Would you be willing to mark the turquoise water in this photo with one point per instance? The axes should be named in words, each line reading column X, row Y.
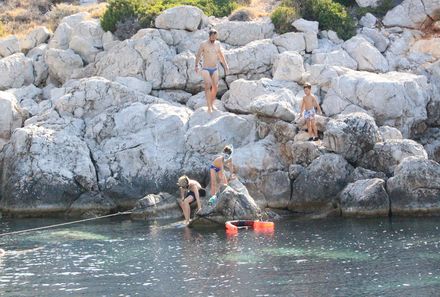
column 120, row 257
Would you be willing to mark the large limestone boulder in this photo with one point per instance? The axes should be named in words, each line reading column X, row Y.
column 394, row 99
column 12, row 116
column 377, row 38
column 278, row 105
column 89, row 97
column 41, row 69
column 366, row 55
column 288, row 66
column 243, row 93
column 181, row 17
column 415, row 187
column 36, row 37
column 62, row 63
column 254, row 58
column 61, row 37
column 389, row 133
column 16, row 71
column 431, row 142
column 210, row 136
column 45, row 170
column 91, row 205
column 28, row 98
column 366, row 197
column 292, row 41
column 135, row 84
column 427, row 46
column 9, row 46
column 157, row 206
column 412, row 14
column 317, row 186
column 241, row 33
column 385, row 156
column 303, row 152
column 367, row 3
column 306, row 26
column 351, row 136
column 362, row 173
column 233, row 202
column 337, row 57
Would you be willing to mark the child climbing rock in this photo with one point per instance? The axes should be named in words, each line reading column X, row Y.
column 217, row 168
column 308, row 107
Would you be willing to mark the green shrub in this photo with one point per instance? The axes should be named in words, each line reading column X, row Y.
column 282, row 18
column 346, row 3
column 331, row 16
column 2, row 30
column 380, row 11
column 146, row 11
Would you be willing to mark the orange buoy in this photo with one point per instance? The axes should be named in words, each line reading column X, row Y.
column 234, row 226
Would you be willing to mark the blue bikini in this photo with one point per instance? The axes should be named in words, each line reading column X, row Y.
column 215, row 168
column 211, row 70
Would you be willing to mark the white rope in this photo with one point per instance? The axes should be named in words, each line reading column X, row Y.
column 64, row 224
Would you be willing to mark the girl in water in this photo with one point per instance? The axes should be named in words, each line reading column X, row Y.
column 190, row 190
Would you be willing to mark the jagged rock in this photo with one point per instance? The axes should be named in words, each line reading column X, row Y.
column 376, row 38
column 303, row 152
column 243, row 92
column 181, row 17
column 173, row 95
column 361, row 173
column 427, row 46
column 351, row 135
column 28, row 97
column 233, row 203
column 366, row 197
column 412, row 14
column 91, row 204
column 400, row 43
column 36, row 37
column 108, row 40
column 61, row 37
column 316, row 188
column 394, row 99
column 334, row 58
column 306, row 26
column 9, row 46
column 157, row 206
column 16, row 70
column 367, row 56
column 199, row 100
column 389, row 133
column 283, row 131
column 41, row 69
column 322, row 75
column 278, row 105
column 295, row 170
column 135, row 84
column 45, row 170
column 241, row 33
column 311, row 39
column 385, row 156
column 368, row 20
column 431, row 142
column 415, row 187
column 291, row 41
column 288, row 66
column 62, row 63
column 83, row 48
column 12, row 116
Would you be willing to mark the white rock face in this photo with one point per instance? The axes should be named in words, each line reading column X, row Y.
column 389, row 133
column 12, row 116
column 367, row 3
column 368, row 20
column 62, row 63
column 241, row 33
column 306, row 26
column 16, row 71
column 36, row 37
column 83, row 48
column 9, row 46
column 376, row 38
column 61, row 37
column 181, row 17
column 243, row 92
column 28, row 98
column 256, row 57
column 412, row 13
column 335, row 58
column 135, row 84
column 311, row 39
column 41, row 69
column 288, row 66
column 291, row 41
column 399, row 46
column 367, row 56
column 280, row 105
column 395, row 99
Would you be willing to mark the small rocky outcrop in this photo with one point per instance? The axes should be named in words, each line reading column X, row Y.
column 157, row 206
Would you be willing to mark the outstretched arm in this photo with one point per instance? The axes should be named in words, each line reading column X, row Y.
column 317, row 105
column 303, row 106
column 198, row 55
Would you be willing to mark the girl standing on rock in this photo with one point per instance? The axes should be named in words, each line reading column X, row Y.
column 217, row 168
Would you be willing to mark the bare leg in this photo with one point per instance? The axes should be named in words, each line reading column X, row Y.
column 208, row 84
column 223, row 178
column 315, row 130
column 187, row 208
column 213, row 182
column 214, row 88
column 309, row 128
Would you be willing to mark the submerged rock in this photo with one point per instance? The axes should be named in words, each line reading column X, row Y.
column 157, row 206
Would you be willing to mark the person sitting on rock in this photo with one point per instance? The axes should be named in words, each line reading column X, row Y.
column 309, row 103
column 217, row 168
column 190, row 191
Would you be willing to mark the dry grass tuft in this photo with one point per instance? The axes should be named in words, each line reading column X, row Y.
column 244, row 14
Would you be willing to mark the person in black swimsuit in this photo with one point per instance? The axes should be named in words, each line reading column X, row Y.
column 190, row 191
